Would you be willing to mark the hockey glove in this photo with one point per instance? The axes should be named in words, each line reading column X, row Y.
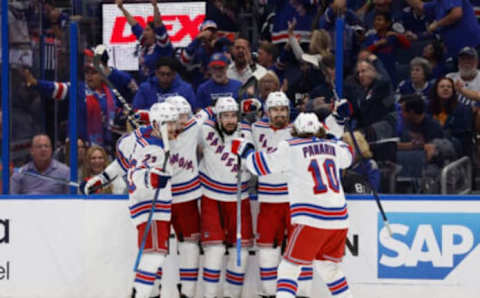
column 94, row 184
column 342, row 110
column 242, row 147
column 142, row 116
column 156, row 178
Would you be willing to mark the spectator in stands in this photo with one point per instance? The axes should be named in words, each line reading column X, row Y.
column 307, row 71
column 267, row 84
column 467, row 78
column 166, row 82
column 434, row 52
column 420, row 134
column 324, row 89
column 121, row 80
column 372, row 99
column 42, row 163
column 62, row 154
column 96, row 160
column 353, row 30
column 366, row 166
column 384, row 42
column 196, row 56
column 243, row 67
column 454, row 20
column 415, row 24
column 219, row 84
column 393, row 8
column 97, row 104
column 267, row 54
column 154, row 40
column 285, row 11
column 455, row 117
column 419, row 82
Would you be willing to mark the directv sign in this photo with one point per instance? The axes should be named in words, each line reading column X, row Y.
column 425, row 245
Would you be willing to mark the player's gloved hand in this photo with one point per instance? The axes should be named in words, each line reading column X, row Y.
column 242, row 147
column 93, row 184
column 342, row 110
column 142, row 116
column 156, row 178
column 250, row 105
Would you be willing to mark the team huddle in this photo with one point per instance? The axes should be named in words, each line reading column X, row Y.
column 179, row 159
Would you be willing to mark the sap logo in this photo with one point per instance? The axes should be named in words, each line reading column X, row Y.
column 187, row 27
column 4, row 231
column 425, row 245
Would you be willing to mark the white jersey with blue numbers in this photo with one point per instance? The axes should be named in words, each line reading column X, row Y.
column 312, row 167
column 272, row 188
column 218, row 168
column 148, row 153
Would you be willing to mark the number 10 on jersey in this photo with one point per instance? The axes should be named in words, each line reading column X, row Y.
column 327, row 170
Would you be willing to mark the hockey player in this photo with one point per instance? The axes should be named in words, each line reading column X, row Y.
column 148, row 182
column 186, row 191
column 218, row 172
column 318, row 209
column 274, row 219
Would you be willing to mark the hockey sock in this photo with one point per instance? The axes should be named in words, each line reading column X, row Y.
column 156, row 284
column 334, row 277
column 287, row 279
column 234, row 274
column 146, row 273
column 305, row 282
column 189, row 254
column 211, row 269
column 268, row 259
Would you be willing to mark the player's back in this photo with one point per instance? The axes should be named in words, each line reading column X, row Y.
column 315, row 191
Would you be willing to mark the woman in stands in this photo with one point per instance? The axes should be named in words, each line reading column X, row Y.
column 455, row 118
column 96, row 160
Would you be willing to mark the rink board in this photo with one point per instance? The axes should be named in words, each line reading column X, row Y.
column 76, row 247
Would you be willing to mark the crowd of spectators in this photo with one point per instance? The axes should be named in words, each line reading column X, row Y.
column 410, row 74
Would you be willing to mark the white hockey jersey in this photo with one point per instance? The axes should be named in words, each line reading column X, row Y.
column 183, row 160
column 218, row 168
column 271, row 188
column 148, row 153
column 312, row 166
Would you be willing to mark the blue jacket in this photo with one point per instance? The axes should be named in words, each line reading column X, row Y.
column 209, row 92
column 150, row 92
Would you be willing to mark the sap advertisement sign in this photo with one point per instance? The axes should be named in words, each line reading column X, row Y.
column 426, row 245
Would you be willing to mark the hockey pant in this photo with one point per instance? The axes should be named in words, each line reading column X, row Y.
column 234, row 275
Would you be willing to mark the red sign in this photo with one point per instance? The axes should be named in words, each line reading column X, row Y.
column 188, row 27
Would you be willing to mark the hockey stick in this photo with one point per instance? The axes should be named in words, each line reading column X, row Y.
column 166, row 147
column 101, row 70
column 239, row 204
column 50, row 178
column 339, row 27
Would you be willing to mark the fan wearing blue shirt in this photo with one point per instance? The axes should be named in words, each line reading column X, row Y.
column 166, row 82
column 219, row 85
column 454, row 20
